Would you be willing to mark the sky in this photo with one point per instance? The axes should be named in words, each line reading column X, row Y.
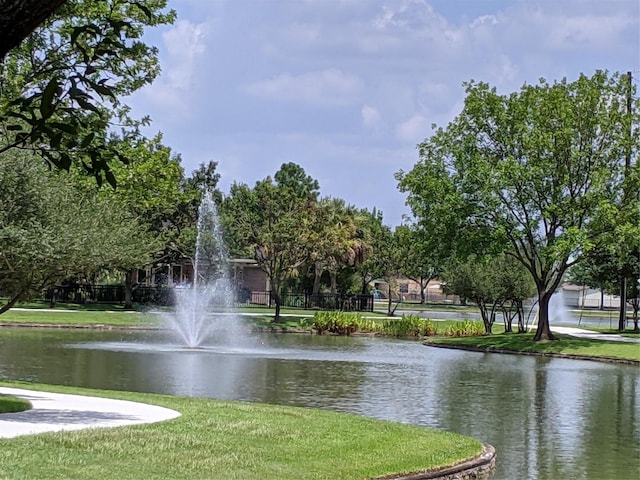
column 347, row 89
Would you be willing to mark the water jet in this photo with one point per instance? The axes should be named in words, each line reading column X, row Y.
column 194, row 321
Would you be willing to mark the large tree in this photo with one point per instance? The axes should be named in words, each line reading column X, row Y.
column 18, row 18
column 339, row 240
column 52, row 228
column 272, row 222
column 419, row 255
column 153, row 188
column 541, row 169
column 63, row 86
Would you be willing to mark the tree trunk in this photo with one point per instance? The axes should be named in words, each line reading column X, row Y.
column 363, row 286
column 128, row 290
column 317, row 271
column 622, row 314
column 521, row 326
column 10, row 303
column 277, row 300
column 507, row 319
column 543, row 331
column 333, row 274
column 18, row 18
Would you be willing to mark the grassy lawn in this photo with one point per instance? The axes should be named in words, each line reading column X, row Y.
column 565, row 344
column 79, row 317
column 9, row 404
column 231, row 440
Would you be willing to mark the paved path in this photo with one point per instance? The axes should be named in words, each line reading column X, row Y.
column 580, row 332
column 53, row 412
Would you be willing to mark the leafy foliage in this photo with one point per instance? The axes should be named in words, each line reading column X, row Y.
column 466, row 328
column 272, row 223
column 52, row 228
column 538, row 171
column 419, row 255
column 490, row 282
column 407, row 326
column 339, row 241
column 62, row 87
column 339, row 323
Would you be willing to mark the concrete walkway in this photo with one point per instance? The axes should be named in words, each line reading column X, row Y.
column 53, row 412
column 580, row 332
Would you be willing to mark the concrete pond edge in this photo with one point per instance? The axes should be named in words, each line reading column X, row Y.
column 477, row 467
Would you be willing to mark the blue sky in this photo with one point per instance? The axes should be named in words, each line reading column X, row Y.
column 348, row 88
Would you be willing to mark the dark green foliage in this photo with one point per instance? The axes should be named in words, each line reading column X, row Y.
column 11, row 404
column 62, row 87
column 465, row 328
column 407, row 326
column 339, row 323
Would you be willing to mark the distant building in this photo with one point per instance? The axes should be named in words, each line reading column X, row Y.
column 581, row 296
column 245, row 275
column 410, row 290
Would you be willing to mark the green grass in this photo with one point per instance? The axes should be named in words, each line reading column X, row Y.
column 90, row 306
column 10, row 404
column 79, row 317
column 564, row 344
column 232, row 440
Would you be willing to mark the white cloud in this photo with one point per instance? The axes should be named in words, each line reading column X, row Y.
column 370, row 116
column 325, row 87
column 415, row 129
column 239, row 77
column 484, row 21
column 184, row 45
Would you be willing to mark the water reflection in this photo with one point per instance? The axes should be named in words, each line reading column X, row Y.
column 547, row 418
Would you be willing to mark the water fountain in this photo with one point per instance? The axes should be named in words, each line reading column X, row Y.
column 193, row 322
column 559, row 313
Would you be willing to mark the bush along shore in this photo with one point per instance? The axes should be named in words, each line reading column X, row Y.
column 407, row 326
column 469, row 335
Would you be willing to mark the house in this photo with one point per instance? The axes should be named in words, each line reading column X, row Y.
column 409, row 290
column 244, row 273
column 582, row 296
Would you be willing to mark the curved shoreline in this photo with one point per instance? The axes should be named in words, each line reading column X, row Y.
column 55, row 412
column 105, row 326
column 571, row 356
column 477, row 467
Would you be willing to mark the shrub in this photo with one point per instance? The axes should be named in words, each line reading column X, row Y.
column 408, row 326
column 340, row 323
column 466, row 328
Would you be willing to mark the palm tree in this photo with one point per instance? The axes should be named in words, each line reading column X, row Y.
column 339, row 240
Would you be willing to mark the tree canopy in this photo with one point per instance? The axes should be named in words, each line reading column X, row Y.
column 272, row 223
column 18, row 18
column 53, row 228
column 539, row 172
column 63, row 85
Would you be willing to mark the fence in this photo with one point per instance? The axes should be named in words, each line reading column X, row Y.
column 309, row 301
column 244, row 298
column 108, row 294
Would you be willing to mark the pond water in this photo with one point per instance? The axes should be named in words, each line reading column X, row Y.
column 548, row 418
